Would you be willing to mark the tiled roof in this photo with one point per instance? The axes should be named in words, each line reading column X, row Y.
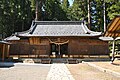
column 4, row 42
column 109, row 38
column 113, row 29
column 12, row 37
column 59, row 28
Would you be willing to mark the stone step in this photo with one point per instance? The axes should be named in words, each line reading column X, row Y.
column 59, row 60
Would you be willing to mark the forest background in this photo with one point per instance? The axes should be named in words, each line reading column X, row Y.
column 17, row 15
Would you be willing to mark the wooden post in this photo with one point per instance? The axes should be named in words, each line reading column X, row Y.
column 3, row 53
column 8, row 47
column 59, row 49
column 113, row 50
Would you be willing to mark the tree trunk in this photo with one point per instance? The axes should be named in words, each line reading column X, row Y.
column 40, row 15
column 36, row 11
column 104, row 16
column 89, row 20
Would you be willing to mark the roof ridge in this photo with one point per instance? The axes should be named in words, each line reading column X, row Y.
column 58, row 21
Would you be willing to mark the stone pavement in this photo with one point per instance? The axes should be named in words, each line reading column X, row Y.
column 59, row 72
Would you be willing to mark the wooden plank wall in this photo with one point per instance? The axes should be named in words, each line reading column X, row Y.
column 34, row 40
column 4, row 51
column 76, row 46
column 33, row 46
column 25, row 49
column 1, row 48
column 87, row 46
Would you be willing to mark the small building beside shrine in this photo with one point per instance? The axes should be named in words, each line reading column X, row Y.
column 58, row 38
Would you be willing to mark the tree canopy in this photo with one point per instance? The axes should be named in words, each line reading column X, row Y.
column 17, row 15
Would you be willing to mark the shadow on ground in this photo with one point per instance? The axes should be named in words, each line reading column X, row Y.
column 6, row 64
column 116, row 64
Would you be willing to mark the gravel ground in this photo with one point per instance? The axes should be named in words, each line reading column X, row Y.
column 25, row 72
column 85, row 72
column 107, row 65
column 80, row 71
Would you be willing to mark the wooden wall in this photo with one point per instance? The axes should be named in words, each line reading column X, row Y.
column 76, row 45
column 4, row 51
column 1, row 48
column 31, row 46
column 87, row 46
column 34, row 40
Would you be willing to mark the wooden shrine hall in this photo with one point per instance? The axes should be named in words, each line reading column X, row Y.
column 58, row 38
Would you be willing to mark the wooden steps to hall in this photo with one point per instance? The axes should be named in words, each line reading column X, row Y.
column 69, row 59
column 64, row 56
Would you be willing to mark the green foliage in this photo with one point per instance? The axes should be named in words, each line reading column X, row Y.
column 65, row 5
column 78, row 10
column 15, row 15
column 113, row 9
column 54, row 11
column 117, row 45
column 97, row 15
column 33, row 5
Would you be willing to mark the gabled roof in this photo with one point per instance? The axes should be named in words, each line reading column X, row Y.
column 58, row 28
column 113, row 28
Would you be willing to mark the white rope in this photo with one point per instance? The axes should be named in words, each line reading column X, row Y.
column 59, row 43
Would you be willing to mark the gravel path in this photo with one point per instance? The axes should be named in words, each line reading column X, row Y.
column 85, row 72
column 25, row 72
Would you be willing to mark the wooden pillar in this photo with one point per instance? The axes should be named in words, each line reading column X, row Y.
column 113, row 50
column 59, row 49
column 8, row 48
column 3, row 53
